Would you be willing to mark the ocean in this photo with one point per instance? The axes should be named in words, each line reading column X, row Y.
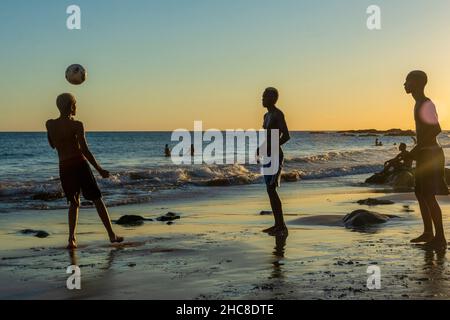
column 29, row 167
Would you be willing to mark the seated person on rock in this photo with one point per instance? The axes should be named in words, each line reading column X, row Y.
column 402, row 161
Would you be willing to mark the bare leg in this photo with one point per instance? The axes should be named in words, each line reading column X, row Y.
column 104, row 216
column 277, row 209
column 427, row 221
column 436, row 215
column 73, row 219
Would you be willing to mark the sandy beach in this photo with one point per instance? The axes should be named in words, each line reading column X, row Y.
column 185, row 116
column 216, row 250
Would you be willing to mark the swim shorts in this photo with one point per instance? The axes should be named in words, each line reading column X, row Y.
column 76, row 178
column 430, row 171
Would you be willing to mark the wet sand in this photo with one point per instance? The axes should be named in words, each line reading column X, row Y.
column 216, row 250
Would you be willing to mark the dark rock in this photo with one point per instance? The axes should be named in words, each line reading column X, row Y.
column 41, row 234
column 374, row 202
column 170, row 223
column 377, row 178
column 170, row 216
column 364, row 218
column 402, row 180
column 37, row 233
column 265, row 213
column 48, row 196
column 131, row 220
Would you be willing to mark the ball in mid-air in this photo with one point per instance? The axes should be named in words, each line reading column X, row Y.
column 76, row 74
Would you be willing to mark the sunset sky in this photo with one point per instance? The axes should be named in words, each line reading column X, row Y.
column 161, row 64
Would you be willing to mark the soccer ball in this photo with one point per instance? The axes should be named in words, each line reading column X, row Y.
column 76, row 74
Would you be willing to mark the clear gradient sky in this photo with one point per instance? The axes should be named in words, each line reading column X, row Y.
column 161, row 64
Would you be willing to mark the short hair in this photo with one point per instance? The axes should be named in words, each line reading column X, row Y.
column 402, row 145
column 64, row 102
column 419, row 76
column 272, row 91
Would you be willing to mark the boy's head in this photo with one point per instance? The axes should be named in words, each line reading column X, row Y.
column 402, row 147
column 66, row 104
column 270, row 97
column 416, row 81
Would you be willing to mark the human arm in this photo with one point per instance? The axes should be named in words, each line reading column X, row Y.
column 430, row 126
column 50, row 142
column 284, row 131
column 81, row 137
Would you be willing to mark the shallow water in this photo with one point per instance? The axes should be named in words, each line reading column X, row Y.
column 140, row 172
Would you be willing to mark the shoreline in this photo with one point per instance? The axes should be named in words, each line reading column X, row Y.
column 218, row 243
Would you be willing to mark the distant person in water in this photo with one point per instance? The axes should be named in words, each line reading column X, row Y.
column 402, row 161
column 430, row 162
column 67, row 136
column 274, row 119
column 378, row 143
column 167, row 152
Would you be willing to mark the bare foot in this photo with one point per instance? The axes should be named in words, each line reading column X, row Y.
column 426, row 237
column 269, row 230
column 72, row 244
column 116, row 239
column 437, row 243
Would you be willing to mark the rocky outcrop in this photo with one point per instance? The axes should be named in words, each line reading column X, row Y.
column 364, row 218
column 132, row 220
column 399, row 180
column 402, row 180
column 170, row 216
column 37, row 233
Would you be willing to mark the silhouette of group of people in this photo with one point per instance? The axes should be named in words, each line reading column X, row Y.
column 67, row 136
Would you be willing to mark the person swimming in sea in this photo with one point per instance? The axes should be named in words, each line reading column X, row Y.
column 167, row 152
column 430, row 162
column 378, row 143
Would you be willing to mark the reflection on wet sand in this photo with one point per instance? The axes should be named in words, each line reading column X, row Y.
column 111, row 254
column 434, row 272
column 278, row 255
